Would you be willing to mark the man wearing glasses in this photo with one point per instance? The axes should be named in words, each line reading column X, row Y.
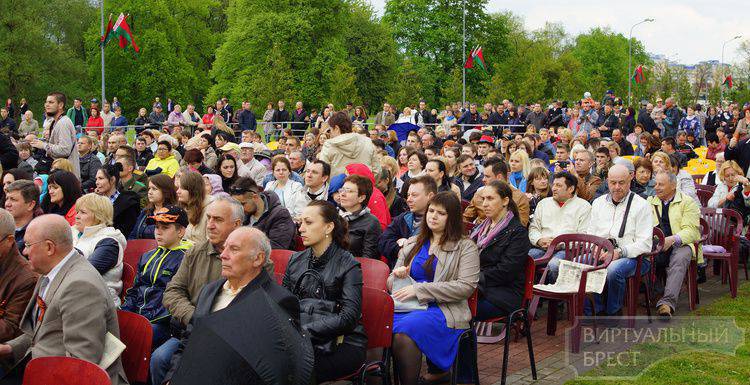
column 70, row 312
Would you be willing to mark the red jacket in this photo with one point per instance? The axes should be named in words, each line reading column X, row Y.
column 377, row 204
column 96, row 124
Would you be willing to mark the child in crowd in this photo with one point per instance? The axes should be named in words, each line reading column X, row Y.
column 156, row 268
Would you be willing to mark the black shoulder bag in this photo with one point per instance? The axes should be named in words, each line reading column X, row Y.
column 314, row 309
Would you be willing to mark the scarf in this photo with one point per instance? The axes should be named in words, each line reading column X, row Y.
column 485, row 233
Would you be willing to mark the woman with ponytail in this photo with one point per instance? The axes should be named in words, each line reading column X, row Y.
column 443, row 265
column 503, row 250
column 325, row 270
column 126, row 204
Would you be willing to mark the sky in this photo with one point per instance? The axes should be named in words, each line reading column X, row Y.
column 687, row 31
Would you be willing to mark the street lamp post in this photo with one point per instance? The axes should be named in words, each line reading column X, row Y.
column 721, row 89
column 630, row 54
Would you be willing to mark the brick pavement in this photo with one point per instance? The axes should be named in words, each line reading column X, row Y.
column 548, row 350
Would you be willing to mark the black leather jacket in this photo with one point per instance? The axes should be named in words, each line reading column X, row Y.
column 342, row 276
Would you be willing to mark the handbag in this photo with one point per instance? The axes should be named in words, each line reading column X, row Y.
column 314, row 309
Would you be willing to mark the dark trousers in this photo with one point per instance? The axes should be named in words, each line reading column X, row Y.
column 344, row 361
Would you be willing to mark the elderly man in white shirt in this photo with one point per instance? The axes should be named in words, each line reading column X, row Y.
column 562, row 213
column 251, row 167
column 626, row 219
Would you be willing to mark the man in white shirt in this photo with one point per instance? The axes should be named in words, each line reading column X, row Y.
column 631, row 234
column 562, row 213
column 251, row 167
column 317, row 175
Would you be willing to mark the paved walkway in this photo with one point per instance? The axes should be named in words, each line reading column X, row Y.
column 548, row 350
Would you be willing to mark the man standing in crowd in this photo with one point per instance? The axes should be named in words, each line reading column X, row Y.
column 645, row 119
column 61, row 134
column 246, row 118
column 427, row 118
column 28, row 124
column 536, row 117
column 385, row 117
column 280, row 115
column 77, row 114
column 72, row 295
column 562, row 213
column 624, row 218
column 157, row 116
column 301, row 116
column 108, row 116
column 470, row 117
column 317, row 175
column 421, row 190
column 678, row 216
column 17, row 280
column 89, row 163
column 496, row 169
column 21, row 201
column 264, row 211
column 588, row 118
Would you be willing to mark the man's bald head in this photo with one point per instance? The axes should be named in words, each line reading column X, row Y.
column 252, row 240
column 54, row 228
column 618, row 180
column 48, row 240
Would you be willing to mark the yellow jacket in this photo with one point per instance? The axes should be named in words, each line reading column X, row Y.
column 684, row 218
column 169, row 165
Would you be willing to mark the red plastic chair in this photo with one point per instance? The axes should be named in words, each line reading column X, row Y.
column 63, row 371
column 704, row 195
column 725, row 229
column 280, row 259
column 484, row 328
column 128, row 279
column 135, row 248
column 374, row 273
column 580, row 248
column 377, row 319
column 634, row 282
column 136, row 333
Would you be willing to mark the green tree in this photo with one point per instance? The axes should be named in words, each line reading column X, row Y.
column 411, row 84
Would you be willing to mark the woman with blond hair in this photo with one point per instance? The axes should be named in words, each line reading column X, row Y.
column 98, row 241
column 519, row 169
column 728, row 175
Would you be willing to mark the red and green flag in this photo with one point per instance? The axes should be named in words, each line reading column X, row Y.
column 638, row 75
column 728, row 81
column 475, row 56
column 105, row 38
column 121, row 30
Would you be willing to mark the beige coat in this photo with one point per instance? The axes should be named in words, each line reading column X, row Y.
column 456, row 278
column 349, row 148
column 79, row 314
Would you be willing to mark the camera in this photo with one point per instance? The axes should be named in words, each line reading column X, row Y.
column 563, row 164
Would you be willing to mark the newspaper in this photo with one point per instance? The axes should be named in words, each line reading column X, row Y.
column 407, row 306
column 113, row 347
column 569, row 277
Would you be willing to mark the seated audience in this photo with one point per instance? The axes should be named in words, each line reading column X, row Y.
column 562, row 213
column 17, row 281
column 519, row 169
column 444, row 267
column 156, row 268
column 99, row 242
column 126, row 204
column 469, row 179
column 364, row 228
column 436, row 169
column 678, row 217
column 191, row 195
column 727, row 185
column 164, row 161
column 643, row 183
column 288, row 191
column 538, row 187
column 503, row 249
column 622, row 217
column 263, row 211
column 497, row 169
column 22, row 202
column 339, row 340
column 161, row 193
column 63, row 190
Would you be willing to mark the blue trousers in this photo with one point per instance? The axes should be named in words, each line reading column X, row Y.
column 618, row 272
column 554, row 263
column 161, row 360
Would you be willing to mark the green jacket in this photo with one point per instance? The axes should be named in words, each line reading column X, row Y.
column 684, row 218
column 136, row 187
column 72, row 115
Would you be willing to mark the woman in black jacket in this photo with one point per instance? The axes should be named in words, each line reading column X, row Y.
column 364, row 228
column 126, row 204
column 503, row 250
column 338, row 339
column 713, row 120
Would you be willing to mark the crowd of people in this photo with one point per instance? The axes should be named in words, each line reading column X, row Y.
column 455, row 205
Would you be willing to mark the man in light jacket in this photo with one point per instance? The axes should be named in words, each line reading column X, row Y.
column 59, row 133
column 346, row 147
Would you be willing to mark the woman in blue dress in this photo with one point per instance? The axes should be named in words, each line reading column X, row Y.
column 445, row 267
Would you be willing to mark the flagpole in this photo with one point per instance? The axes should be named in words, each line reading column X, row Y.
column 101, row 3
column 463, row 52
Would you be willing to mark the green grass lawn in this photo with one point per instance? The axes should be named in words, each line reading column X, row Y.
column 695, row 367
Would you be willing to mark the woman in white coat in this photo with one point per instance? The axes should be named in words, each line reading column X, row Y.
column 290, row 192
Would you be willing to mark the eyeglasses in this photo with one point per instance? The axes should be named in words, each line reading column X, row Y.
column 28, row 245
column 235, row 190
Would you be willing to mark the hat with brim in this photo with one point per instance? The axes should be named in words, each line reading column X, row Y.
column 169, row 214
